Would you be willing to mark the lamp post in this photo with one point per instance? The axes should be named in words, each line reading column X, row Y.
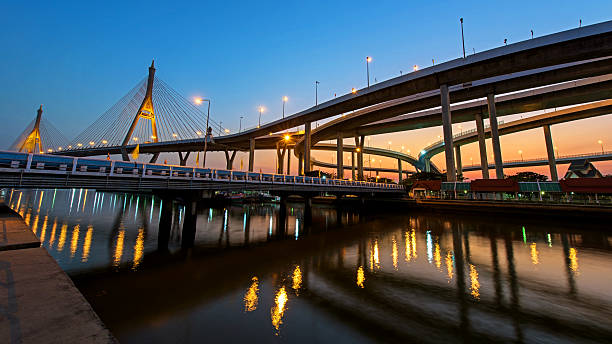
column 285, row 98
column 462, row 38
column 601, row 144
column 261, row 109
column 317, row 93
column 389, row 145
column 199, row 101
column 521, row 153
column 368, row 60
column 240, row 127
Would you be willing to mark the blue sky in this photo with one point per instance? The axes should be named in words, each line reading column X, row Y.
column 78, row 58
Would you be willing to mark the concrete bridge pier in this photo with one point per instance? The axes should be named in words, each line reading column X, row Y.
column 359, row 141
column 183, row 159
column 484, row 163
column 459, row 164
column 301, row 164
column 280, row 158
column 550, row 150
column 447, row 128
column 288, row 160
column 499, row 163
column 400, row 172
column 281, row 219
column 307, row 144
column 353, row 166
column 154, row 158
column 251, row 153
column 340, row 156
column 229, row 159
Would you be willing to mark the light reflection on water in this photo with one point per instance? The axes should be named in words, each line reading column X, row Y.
column 246, row 277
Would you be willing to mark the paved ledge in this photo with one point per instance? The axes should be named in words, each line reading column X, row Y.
column 14, row 234
column 38, row 301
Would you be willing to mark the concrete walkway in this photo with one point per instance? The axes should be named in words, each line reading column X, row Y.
column 38, row 301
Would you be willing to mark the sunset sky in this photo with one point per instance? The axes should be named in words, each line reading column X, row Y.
column 80, row 58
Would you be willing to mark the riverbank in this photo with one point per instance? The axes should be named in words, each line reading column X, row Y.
column 38, row 301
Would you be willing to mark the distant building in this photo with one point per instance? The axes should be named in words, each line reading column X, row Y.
column 582, row 169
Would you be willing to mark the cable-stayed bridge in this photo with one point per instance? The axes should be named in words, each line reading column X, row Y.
column 563, row 69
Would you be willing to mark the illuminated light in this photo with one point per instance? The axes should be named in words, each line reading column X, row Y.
column 174, row 135
column 138, row 249
column 87, row 244
column 389, row 142
column 358, row 149
column 373, row 160
column 251, row 298
column 415, row 68
column 69, row 147
column 118, row 248
column 59, row 148
column 197, row 132
column 573, row 257
column 43, row 231
column 375, row 255
column 62, row 238
column 297, row 279
column 369, row 59
column 394, row 253
column 285, row 98
column 261, row 109
column 449, row 265
column 153, row 137
column 287, row 137
column 75, row 240
column 360, row 277
column 600, row 142
column 429, row 247
column 408, row 252
column 534, row 254
column 227, row 130
column 52, row 237
column 104, row 142
column 79, row 145
column 353, row 90
column 198, row 100
column 437, row 256
column 135, row 139
column 278, row 310
column 49, row 150
column 475, row 287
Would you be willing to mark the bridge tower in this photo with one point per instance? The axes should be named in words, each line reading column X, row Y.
column 33, row 140
column 145, row 111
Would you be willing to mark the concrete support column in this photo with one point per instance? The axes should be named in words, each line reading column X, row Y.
column 550, row 150
column 427, row 165
column 229, row 160
column 301, row 164
column 484, row 163
column 499, row 163
column 288, row 160
column 183, row 159
column 459, row 165
column 251, row 154
column 448, row 134
column 307, row 147
column 280, row 158
column 339, row 156
column 353, row 165
column 359, row 141
column 400, row 172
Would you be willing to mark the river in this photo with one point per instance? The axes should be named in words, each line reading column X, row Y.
column 348, row 275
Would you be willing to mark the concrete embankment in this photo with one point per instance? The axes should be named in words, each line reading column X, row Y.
column 38, row 301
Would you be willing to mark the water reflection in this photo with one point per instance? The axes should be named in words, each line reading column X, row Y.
column 472, row 280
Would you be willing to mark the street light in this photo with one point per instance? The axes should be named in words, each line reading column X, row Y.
column 353, row 90
column 285, row 98
column 389, row 145
column 521, row 153
column 415, row 68
column 556, row 151
column 368, row 60
column 240, row 126
column 261, row 109
column 601, row 144
column 199, row 101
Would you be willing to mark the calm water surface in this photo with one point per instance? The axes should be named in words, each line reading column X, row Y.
column 252, row 275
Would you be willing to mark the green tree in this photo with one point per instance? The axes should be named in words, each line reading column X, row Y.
column 528, row 177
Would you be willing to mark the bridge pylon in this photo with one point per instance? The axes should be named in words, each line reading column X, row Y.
column 145, row 111
column 33, row 140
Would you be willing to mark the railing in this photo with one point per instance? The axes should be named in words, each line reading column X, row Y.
column 55, row 164
column 557, row 158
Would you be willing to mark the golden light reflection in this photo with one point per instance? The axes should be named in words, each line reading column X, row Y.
column 43, row 230
column 573, row 256
column 360, row 277
column 62, row 238
column 52, row 237
column 118, row 248
column 138, row 249
column 449, row 265
column 278, row 310
column 35, row 224
column 534, row 254
column 475, row 288
column 410, row 239
column 437, row 256
column 87, row 244
column 251, row 297
column 375, row 257
column 297, row 279
column 394, row 253
column 75, row 240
